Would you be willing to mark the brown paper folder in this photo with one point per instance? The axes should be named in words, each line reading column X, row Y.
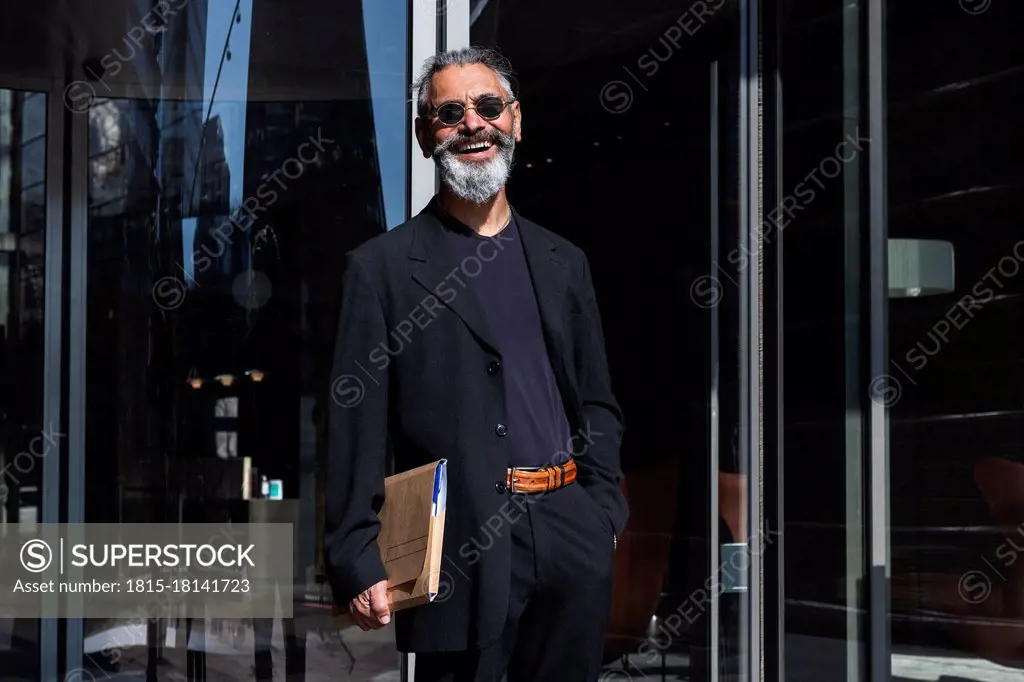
column 412, row 536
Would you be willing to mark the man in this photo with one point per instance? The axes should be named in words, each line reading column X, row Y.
column 472, row 334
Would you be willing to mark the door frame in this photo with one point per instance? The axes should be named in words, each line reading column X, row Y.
column 53, row 258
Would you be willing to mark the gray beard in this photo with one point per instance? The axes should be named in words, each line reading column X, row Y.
column 476, row 182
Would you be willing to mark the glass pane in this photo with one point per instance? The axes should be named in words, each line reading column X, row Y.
column 824, row 628
column 233, row 158
column 956, row 454
column 646, row 95
column 24, row 438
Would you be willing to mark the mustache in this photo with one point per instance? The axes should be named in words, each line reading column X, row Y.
column 491, row 135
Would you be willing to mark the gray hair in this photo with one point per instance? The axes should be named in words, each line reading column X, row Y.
column 463, row 56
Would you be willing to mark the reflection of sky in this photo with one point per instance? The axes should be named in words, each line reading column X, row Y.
column 386, row 37
column 385, row 22
column 386, row 45
column 234, row 78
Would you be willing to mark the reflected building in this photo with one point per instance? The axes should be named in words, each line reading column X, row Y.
column 138, row 149
column 22, row 225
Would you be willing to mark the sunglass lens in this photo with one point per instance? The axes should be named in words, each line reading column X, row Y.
column 490, row 107
column 450, row 113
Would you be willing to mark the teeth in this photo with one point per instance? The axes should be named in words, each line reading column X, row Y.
column 474, row 147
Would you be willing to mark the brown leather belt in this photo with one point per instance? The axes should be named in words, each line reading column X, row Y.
column 540, row 479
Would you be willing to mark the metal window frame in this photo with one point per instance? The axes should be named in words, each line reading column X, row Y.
column 53, row 259
column 751, row 322
column 53, row 316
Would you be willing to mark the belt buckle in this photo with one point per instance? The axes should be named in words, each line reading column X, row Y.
column 512, row 478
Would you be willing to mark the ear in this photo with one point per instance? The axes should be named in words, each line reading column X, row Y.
column 517, row 122
column 422, row 130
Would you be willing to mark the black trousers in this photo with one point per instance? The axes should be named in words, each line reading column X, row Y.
column 559, row 601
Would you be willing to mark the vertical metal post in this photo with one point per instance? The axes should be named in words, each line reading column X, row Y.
column 455, row 27
column 429, row 20
column 714, row 425
column 78, row 210
column 854, row 301
column 778, row 537
column 53, row 277
column 424, row 17
column 750, row 440
column 878, row 490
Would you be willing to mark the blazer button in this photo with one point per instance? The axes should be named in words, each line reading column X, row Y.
column 493, row 366
column 500, row 486
column 501, row 430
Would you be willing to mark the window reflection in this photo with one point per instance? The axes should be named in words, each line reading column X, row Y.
column 105, row 125
column 22, row 230
column 956, row 463
column 227, row 441
column 216, row 218
column 824, row 553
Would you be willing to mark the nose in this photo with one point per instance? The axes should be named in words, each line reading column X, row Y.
column 473, row 122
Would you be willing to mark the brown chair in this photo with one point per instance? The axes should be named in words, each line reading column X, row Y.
column 991, row 627
column 1001, row 483
column 732, row 504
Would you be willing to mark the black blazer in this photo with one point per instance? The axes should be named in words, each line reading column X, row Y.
column 414, row 376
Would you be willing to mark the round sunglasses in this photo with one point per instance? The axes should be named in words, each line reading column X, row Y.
column 488, row 108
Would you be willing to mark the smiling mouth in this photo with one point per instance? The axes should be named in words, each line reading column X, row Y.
column 473, row 147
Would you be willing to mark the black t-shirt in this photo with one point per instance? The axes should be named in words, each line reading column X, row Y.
column 537, row 426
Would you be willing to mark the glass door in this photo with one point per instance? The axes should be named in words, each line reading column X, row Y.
column 636, row 147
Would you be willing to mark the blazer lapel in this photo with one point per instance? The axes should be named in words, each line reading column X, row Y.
column 442, row 279
column 550, row 273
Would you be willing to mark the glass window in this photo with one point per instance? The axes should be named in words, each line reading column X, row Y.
column 233, row 158
column 956, row 390
column 24, row 437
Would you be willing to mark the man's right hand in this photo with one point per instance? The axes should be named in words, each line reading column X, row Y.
column 370, row 608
